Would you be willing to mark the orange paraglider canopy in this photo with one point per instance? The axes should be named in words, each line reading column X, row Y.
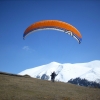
column 56, row 25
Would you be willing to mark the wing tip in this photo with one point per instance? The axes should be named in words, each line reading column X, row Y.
column 80, row 40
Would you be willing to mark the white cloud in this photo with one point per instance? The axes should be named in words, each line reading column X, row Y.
column 26, row 48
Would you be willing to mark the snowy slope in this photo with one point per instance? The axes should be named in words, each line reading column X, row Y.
column 66, row 71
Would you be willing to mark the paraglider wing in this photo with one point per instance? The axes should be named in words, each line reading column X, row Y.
column 56, row 25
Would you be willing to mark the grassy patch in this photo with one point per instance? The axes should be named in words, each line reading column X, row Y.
column 27, row 88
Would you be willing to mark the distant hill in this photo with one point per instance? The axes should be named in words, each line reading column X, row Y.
column 66, row 71
column 13, row 87
column 84, row 82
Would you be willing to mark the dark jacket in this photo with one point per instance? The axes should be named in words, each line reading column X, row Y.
column 53, row 75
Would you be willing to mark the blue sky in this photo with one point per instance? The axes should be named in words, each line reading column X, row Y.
column 46, row 46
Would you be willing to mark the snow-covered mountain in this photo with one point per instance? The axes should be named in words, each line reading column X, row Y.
column 66, row 71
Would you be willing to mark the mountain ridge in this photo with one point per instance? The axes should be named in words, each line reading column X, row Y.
column 66, row 71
